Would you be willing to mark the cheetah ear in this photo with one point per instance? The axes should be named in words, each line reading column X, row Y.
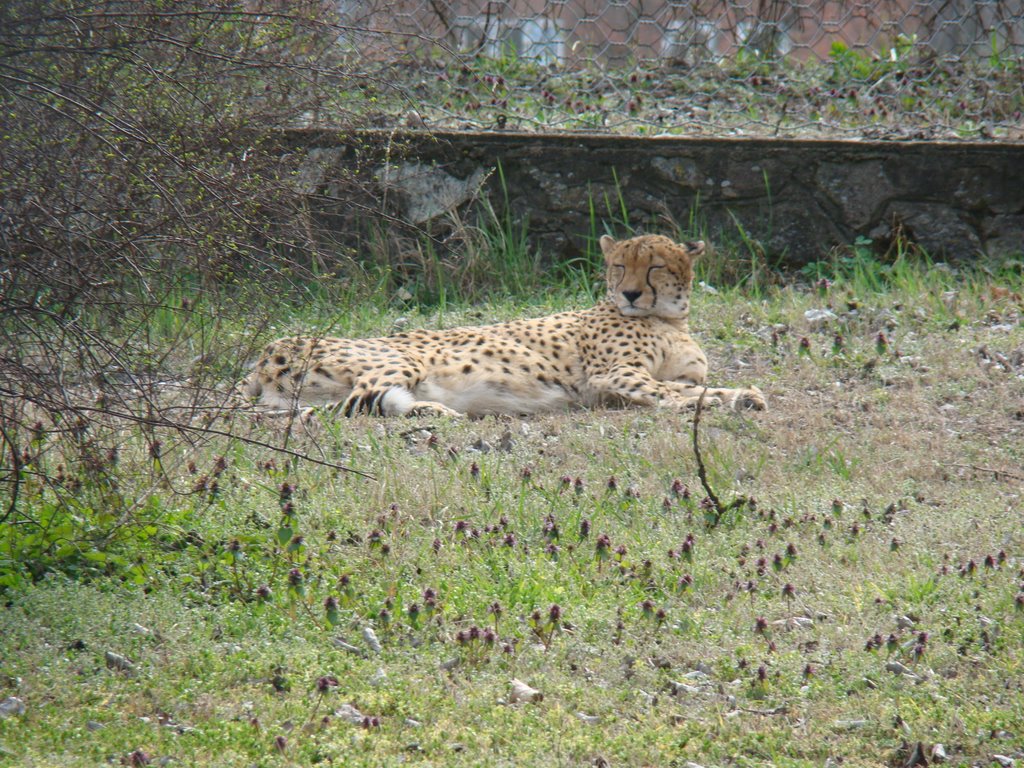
column 607, row 244
column 695, row 247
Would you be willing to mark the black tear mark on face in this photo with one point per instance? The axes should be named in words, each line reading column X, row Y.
column 654, row 290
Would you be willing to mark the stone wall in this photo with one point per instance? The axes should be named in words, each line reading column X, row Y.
column 798, row 199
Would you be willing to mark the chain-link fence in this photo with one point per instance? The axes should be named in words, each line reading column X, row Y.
column 868, row 68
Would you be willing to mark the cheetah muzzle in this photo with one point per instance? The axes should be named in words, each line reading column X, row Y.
column 632, row 348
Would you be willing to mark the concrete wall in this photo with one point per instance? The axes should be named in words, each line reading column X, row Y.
column 798, row 198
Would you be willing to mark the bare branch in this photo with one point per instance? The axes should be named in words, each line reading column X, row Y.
column 719, row 509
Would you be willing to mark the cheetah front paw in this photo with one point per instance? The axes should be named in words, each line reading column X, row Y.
column 751, row 399
column 705, row 401
column 433, row 409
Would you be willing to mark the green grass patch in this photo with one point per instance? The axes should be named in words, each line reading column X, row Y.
column 219, row 602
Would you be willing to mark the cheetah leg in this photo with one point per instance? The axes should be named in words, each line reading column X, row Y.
column 636, row 385
column 427, row 408
column 747, row 398
column 384, row 400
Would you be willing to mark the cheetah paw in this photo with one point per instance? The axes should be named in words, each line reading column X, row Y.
column 751, row 399
column 433, row 409
column 709, row 401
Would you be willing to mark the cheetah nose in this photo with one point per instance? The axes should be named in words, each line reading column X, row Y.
column 631, row 296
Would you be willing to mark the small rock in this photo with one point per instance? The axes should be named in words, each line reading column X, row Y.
column 588, row 719
column 92, row 726
column 507, row 442
column 522, row 692
column 818, row 318
column 349, row 714
column 481, row 446
column 915, row 755
column 12, row 706
column 370, row 638
column 412, row 723
column 697, row 675
column 379, row 677
column 339, row 643
column 1003, row 760
column 678, row 688
column 452, row 663
column 899, row 669
column 938, row 753
column 120, row 663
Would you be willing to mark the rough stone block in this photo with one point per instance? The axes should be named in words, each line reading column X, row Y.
column 1004, row 235
column 939, row 229
column 678, row 170
column 954, row 199
column 859, row 189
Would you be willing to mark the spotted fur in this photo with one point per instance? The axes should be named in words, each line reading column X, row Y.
column 632, row 348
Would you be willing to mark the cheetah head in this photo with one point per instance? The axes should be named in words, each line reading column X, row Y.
column 650, row 275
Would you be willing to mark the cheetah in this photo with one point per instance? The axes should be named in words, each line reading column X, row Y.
column 634, row 347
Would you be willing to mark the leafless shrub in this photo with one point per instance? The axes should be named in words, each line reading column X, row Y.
column 146, row 203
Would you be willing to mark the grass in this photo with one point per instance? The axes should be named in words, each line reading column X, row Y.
column 900, row 92
column 887, row 479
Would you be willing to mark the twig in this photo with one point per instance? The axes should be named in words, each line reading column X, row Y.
column 701, row 471
column 155, row 421
column 15, row 471
column 720, row 509
column 779, row 710
column 995, row 472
